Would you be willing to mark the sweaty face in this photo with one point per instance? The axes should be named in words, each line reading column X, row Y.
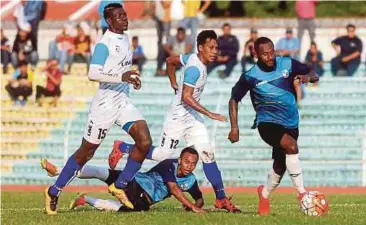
column 209, row 50
column 118, row 19
column 266, row 54
column 187, row 163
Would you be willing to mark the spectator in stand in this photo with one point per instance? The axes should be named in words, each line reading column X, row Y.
column 179, row 44
column 192, row 12
column 54, row 78
column 305, row 11
column 288, row 46
column 81, row 49
column 228, row 52
column 248, row 56
column 24, row 48
column 21, row 21
column 138, row 57
column 314, row 59
column 32, row 13
column 349, row 49
column 102, row 5
column 161, row 15
column 61, row 49
column 5, row 52
column 21, row 84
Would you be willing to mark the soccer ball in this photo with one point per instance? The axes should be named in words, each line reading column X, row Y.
column 314, row 203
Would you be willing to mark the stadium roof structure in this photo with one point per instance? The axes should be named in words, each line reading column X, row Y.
column 61, row 11
column 64, row 10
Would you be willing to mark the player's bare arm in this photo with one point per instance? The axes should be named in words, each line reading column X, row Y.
column 179, row 195
column 188, row 99
column 172, row 63
column 199, row 203
column 233, row 113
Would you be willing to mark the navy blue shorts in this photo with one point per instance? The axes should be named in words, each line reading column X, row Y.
column 272, row 134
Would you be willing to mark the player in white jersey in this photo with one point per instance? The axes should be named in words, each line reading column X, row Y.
column 110, row 66
column 184, row 118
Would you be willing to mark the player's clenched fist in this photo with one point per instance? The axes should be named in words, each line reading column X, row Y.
column 216, row 116
column 234, row 135
column 303, row 78
column 132, row 77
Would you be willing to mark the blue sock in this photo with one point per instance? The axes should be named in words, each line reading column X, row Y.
column 149, row 153
column 213, row 174
column 128, row 173
column 127, row 148
column 67, row 174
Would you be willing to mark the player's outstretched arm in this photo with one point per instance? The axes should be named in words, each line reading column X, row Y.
column 179, row 195
column 188, row 99
column 172, row 62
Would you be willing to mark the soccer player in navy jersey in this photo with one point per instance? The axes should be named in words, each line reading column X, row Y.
column 169, row 177
column 271, row 84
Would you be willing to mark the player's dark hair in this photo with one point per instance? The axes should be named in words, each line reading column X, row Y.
column 108, row 9
column 350, row 26
column 181, row 29
column 189, row 150
column 313, row 43
column 135, row 38
column 204, row 35
column 261, row 41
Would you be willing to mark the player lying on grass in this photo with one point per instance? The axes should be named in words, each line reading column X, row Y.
column 169, row 177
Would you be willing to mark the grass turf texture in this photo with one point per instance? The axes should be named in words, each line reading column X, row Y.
column 27, row 208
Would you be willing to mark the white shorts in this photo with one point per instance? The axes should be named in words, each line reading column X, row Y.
column 194, row 132
column 100, row 121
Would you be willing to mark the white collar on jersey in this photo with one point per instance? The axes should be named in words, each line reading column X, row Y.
column 112, row 34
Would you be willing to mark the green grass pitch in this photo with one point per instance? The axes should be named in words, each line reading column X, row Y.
column 26, row 208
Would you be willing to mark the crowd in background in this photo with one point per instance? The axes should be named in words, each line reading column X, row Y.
column 75, row 43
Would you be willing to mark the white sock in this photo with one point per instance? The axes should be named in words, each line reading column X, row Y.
column 101, row 204
column 294, row 169
column 88, row 172
column 273, row 181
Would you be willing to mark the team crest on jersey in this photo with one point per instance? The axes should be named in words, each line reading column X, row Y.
column 183, row 186
column 118, row 48
column 285, row 73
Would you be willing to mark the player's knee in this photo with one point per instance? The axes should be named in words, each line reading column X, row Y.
column 206, row 152
column 144, row 145
column 291, row 148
